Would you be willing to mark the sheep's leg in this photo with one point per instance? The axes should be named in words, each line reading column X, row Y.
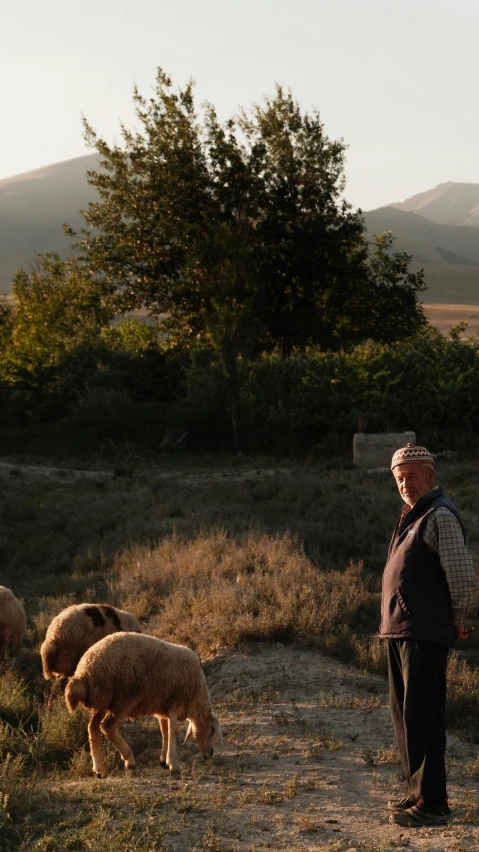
column 109, row 727
column 94, row 738
column 164, row 740
column 171, row 757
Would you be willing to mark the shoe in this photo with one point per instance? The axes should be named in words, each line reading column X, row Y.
column 420, row 814
column 398, row 805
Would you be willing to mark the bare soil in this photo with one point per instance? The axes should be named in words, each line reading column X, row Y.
column 308, row 763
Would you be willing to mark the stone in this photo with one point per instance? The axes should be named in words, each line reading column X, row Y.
column 377, row 449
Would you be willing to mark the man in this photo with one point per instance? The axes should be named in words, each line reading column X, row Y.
column 428, row 585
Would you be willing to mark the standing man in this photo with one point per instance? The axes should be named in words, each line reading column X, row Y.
column 428, row 585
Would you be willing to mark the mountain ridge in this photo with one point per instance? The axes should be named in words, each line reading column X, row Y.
column 35, row 204
column 449, row 203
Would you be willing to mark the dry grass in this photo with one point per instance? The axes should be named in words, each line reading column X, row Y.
column 216, row 591
column 446, row 316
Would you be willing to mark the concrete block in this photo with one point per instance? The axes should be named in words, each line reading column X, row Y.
column 376, row 450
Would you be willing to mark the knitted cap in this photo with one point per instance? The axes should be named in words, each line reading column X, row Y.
column 411, row 453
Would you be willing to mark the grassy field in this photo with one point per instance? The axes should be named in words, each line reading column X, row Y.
column 218, row 555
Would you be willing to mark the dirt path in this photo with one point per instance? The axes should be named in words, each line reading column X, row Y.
column 307, row 764
column 31, row 472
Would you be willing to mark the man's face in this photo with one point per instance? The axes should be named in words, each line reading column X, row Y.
column 413, row 481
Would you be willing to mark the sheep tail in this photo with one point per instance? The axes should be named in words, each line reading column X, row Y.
column 76, row 692
column 49, row 658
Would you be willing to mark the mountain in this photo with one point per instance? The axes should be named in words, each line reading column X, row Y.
column 448, row 204
column 427, row 241
column 33, row 208
column 449, row 254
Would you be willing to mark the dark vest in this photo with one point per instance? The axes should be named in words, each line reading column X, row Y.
column 416, row 603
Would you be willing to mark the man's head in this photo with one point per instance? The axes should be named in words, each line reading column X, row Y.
column 413, row 469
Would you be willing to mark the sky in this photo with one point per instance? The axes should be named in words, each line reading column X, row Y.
column 397, row 81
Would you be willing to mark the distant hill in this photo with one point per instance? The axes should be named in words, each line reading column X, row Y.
column 424, row 239
column 449, row 254
column 448, row 204
column 33, row 208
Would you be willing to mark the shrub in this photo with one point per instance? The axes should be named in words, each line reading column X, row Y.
column 214, row 591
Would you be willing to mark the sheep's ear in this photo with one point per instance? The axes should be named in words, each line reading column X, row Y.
column 217, row 729
column 189, row 733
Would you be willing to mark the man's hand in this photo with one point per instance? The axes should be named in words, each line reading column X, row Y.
column 461, row 631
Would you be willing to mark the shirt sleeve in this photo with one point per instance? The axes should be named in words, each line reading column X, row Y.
column 443, row 534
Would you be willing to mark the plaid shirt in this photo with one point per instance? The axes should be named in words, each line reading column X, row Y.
column 443, row 535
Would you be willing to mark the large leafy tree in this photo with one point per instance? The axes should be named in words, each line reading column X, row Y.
column 238, row 234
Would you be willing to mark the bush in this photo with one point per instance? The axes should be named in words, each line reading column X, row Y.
column 215, row 591
column 429, row 383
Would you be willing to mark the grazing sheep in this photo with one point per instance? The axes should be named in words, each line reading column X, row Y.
column 125, row 676
column 75, row 629
column 13, row 622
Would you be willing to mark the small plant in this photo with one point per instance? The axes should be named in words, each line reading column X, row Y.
column 291, row 787
column 388, row 755
column 369, row 756
column 473, row 768
column 210, row 840
column 269, row 796
column 324, row 744
column 308, row 822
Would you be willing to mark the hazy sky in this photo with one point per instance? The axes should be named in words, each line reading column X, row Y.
column 397, row 81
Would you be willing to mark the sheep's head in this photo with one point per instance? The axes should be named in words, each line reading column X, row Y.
column 204, row 733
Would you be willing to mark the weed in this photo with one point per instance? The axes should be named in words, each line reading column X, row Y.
column 210, row 840
column 291, row 787
column 369, row 756
column 473, row 768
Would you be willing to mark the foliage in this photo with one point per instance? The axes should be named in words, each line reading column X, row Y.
column 428, row 383
column 57, row 313
column 238, row 234
column 60, row 355
column 50, row 337
column 137, row 386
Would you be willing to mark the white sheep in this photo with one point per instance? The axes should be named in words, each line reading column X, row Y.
column 13, row 622
column 77, row 628
column 125, row 676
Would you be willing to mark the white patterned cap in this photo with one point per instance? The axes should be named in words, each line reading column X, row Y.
column 410, row 454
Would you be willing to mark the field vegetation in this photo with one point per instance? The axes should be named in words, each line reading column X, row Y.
column 214, row 555
column 127, row 386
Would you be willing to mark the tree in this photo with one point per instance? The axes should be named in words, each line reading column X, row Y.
column 57, row 313
column 237, row 233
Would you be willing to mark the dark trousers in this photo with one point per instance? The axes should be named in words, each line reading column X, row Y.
column 417, row 695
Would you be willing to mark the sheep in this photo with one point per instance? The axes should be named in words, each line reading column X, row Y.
column 125, row 676
column 75, row 629
column 13, row 622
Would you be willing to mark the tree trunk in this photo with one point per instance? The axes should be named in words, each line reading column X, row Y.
column 236, row 426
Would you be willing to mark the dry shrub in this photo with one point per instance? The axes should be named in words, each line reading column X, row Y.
column 48, row 609
column 60, row 733
column 215, row 591
column 463, row 695
column 15, row 701
column 371, row 654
